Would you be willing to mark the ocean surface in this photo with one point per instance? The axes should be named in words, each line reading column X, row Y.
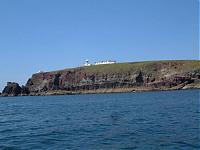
column 167, row 120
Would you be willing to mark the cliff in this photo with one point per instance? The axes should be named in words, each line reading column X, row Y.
column 13, row 89
column 120, row 77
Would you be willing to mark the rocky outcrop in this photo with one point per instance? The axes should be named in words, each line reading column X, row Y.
column 125, row 77
column 24, row 91
column 13, row 89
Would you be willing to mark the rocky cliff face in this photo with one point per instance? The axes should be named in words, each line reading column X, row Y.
column 123, row 77
column 13, row 89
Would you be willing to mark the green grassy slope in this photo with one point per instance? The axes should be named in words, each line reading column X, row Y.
column 145, row 66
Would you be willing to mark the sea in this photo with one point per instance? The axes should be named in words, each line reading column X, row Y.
column 167, row 120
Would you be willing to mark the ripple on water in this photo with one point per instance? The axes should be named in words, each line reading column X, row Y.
column 153, row 120
column 2, row 147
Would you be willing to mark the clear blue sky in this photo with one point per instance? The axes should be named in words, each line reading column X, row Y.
column 55, row 34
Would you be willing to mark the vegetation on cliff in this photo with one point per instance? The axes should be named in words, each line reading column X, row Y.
column 119, row 77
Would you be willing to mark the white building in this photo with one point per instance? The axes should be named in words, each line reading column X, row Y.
column 105, row 62
column 40, row 71
column 99, row 62
column 87, row 63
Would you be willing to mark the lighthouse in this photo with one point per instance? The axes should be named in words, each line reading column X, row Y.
column 87, row 63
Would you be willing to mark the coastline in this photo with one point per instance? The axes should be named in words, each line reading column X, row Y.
column 102, row 91
column 112, row 78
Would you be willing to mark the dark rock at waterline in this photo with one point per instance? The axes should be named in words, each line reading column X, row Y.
column 12, row 89
column 25, row 90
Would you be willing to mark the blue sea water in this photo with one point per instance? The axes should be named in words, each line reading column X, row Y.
column 167, row 120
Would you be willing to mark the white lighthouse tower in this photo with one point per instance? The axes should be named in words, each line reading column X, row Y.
column 87, row 63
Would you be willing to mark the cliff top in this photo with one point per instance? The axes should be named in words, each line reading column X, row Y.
column 146, row 66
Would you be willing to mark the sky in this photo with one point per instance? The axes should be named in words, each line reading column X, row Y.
column 56, row 34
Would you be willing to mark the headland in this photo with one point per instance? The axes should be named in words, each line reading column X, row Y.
column 111, row 78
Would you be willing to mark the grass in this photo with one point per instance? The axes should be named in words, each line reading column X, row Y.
column 145, row 66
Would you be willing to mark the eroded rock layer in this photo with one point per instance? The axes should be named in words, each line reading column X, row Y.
column 121, row 77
